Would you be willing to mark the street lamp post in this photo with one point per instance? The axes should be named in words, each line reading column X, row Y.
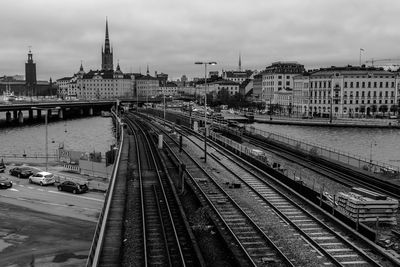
column 164, row 105
column 205, row 103
column 370, row 153
column 46, row 110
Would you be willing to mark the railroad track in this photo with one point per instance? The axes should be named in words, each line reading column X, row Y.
column 251, row 245
column 160, row 237
column 336, row 172
column 331, row 242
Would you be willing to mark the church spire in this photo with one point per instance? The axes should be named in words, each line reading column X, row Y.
column 107, row 53
column 107, row 40
column 240, row 62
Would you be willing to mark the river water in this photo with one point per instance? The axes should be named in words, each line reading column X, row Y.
column 83, row 134
column 354, row 141
column 96, row 134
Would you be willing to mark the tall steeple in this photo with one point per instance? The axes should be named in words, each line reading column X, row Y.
column 107, row 53
column 240, row 62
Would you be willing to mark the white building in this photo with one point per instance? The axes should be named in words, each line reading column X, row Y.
column 347, row 91
column 269, row 82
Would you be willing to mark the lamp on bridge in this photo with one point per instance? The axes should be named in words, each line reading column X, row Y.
column 205, row 103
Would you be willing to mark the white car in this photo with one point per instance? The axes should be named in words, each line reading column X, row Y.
column 42, row 178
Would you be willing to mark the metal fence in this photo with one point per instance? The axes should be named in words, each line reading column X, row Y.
column 329, row 153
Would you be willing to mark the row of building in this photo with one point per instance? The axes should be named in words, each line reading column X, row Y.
column 342, row 91
column 285, row 86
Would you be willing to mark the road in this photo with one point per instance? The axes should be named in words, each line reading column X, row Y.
column 45, row 226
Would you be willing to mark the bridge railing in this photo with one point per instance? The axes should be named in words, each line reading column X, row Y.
column 98, row 239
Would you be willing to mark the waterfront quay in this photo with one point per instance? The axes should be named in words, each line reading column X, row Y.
column 228, row 180
column 337, row 122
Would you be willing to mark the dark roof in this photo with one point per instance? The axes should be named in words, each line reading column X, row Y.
column 238, row 74
column 245, row 83
column 65, row 79
column 171, row 84
column 146, row 77
column 351, row 70
column 285, row 67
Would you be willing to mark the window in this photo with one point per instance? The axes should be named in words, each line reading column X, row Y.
column 345, row 84
column 363, row 85
column 369, row 84
column 357, row 84
column 375, row 84
column 279, row 76
column 351, row 84
column 356, row 93
column 380, row 84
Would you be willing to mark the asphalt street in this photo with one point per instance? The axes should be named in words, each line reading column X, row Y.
column 43, row 225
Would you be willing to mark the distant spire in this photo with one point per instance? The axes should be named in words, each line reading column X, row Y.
column 147, row 72
column 107, row 40
column 81, row 68
column 118, row 68
column 240, row 62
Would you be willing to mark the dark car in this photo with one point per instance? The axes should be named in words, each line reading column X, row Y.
column 5, row 183
column 21, row 172
column 73, row 187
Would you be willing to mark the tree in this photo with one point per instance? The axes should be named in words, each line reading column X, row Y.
column 223, row 96
column 362, row 109
column 394, row 108
column 374, row 109
column 383, row 109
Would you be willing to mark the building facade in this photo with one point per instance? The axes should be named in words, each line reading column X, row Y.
column 347, row 91
column 106, row 83
column 271, row 85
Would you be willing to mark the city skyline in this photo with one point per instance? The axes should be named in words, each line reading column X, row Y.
column 170, row 36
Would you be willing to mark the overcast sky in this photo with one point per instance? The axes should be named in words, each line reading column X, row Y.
column 170, row 35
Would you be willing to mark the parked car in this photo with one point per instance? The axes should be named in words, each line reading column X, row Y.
column 73, row 187
column 5, row 183
column 42, row 178
column 21, row 172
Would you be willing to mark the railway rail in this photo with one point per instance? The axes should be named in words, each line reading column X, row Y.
column 330, row 240
column 158, row 223
column 253, row 247
column 339, row 173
